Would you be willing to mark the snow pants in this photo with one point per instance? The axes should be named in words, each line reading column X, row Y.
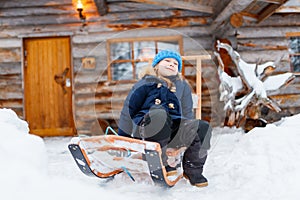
column 158, row 126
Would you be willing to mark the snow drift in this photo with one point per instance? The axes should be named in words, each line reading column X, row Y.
column 262, row 164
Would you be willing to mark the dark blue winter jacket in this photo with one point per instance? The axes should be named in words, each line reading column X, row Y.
column 152, row 92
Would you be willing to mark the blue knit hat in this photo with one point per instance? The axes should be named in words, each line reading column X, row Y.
column 167, row 54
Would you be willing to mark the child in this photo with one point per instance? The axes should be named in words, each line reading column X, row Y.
column 160, row 108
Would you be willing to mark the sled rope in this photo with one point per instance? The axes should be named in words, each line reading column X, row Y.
column 128, row 153
column 111, row 129
column 128, row 173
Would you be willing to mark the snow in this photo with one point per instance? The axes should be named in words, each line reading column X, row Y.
column 253, row 75
column 262, row 164
column 276, row 81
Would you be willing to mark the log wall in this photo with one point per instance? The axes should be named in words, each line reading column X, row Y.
column 96, row 99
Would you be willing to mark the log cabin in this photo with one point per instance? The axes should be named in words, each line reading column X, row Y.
column 66, row 66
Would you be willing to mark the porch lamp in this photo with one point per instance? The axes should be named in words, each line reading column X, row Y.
column 80, row 9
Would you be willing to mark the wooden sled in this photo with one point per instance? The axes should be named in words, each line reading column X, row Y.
column 107, row 155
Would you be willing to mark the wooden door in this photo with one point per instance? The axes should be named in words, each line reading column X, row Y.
column 47, row 86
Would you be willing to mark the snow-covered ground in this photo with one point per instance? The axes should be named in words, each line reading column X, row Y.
column 262, row 164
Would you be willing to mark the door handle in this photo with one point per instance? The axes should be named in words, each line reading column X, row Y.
column 68, row 82
column 62, row 79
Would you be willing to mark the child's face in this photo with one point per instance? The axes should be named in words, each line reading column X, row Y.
column 168, row 67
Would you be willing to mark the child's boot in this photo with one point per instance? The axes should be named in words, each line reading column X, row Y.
column 196, row 179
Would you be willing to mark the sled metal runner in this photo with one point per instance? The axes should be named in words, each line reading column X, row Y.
column 107, row 155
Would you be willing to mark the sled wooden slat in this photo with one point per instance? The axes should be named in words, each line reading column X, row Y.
column 107, row 155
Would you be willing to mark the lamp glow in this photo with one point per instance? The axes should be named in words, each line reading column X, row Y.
column 79, row 5
column 80, row 9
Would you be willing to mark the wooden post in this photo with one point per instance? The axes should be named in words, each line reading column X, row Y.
column 198, row 88
column 198, row 59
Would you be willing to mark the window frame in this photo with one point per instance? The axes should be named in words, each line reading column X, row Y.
column 131, row 40
column 289, row 35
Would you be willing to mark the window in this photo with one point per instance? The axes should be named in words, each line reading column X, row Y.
column 127, row 56
column 294, row 51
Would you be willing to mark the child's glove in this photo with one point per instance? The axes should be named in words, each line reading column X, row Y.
column 174, row 156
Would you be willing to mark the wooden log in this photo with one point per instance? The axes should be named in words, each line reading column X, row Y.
column 10, row 55
column 258, row 47
column 153, row 15
column 37, row 11
column 273, row 1
column 287, row 101
column 115, row 89
column 194, row 45
column 11, row 103
column 82, row 127
column 283, row 66
column 269, row 10
column 39, row 20
column 180, row 4
column 84, row 131
column 12, row 79
column 265, row 55
column 190, row 31
column 235, row 6
column 94, row 74
column 127, row 6
column 168, row 23
column 11, row 88
column 96, row 34
column 272, row 116
column 236, row 20
column 98, row 100
column 277, row 20
column 95, row 37
column 89, row 50
column 39, row 31
column 85, row 78
column 280, row 22
column 72, row 17
column 103, row 108
column 255, row 44
column 226, row 28
column 92, row 127
column 109, row 107
column 11, row 95
column 10, row 68
column 91, row 115
column 210, row 92
column 18, row 3
column 210, row 72
column 265, row 32
column 94, row 95
column 288, row 9
column 9, row 43
column 101, row 7
column 148, row 15
column 206, row 103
